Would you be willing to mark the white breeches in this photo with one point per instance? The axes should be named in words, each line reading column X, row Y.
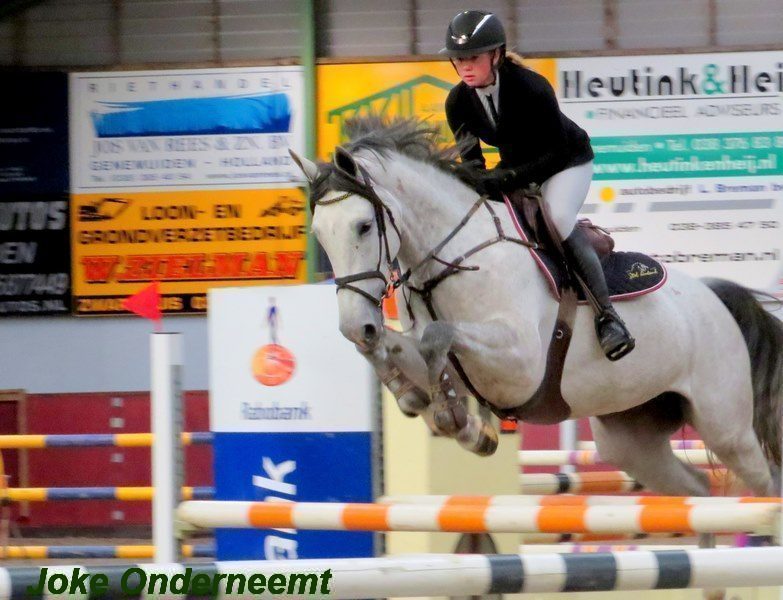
column 564, row 194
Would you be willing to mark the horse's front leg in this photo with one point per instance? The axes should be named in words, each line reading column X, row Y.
column 400, row 366
column 450, row 413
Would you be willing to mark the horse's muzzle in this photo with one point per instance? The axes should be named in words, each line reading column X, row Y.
column 371, row 335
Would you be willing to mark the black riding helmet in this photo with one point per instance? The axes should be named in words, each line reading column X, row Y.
column 472, row 32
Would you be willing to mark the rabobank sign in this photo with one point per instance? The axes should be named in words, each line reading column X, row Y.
column 291, row 405
column 258, row 411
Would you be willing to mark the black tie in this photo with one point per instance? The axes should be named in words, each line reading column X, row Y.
column 492, row 110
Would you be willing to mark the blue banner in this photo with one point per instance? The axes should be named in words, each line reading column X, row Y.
column 293, row 467
column 268, row 113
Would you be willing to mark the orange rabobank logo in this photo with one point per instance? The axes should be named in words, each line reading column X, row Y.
column 273, row 364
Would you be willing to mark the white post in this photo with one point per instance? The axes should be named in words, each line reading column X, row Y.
column 166, row 415
column 569, row 437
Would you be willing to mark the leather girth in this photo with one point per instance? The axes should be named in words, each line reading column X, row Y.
column 546, row 406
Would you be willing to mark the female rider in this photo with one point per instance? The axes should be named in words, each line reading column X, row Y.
column 515, row 109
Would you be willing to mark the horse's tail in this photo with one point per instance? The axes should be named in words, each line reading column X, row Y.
column 763, row 335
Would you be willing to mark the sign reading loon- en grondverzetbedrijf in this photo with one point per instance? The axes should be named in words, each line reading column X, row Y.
column 188, row 241
column 689, row 157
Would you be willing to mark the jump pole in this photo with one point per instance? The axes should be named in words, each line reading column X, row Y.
column 556, row 458
column 756, row 518
column 470, row 574
column 167, row 474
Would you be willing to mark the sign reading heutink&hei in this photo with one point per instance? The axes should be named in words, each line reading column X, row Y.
column 291, row 405
column 688, row 157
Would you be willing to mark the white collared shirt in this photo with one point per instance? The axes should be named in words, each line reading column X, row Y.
column 494, row 91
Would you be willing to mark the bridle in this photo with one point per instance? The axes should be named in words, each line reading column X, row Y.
column 367, row 191
column 379, row 208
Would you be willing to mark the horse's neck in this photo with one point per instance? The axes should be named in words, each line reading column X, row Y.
column 429, row 206
column 432, row 204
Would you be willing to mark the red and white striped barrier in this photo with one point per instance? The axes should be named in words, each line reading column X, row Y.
column 676, row 444
column 574, row 500
column 756, row 518
column 602, row 482
column 594, row 548
column 556, row 458
column 600, row 538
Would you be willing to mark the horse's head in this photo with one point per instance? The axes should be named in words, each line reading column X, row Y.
column 354, row 222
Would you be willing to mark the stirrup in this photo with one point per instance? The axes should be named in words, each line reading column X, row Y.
column 617, row 341
column 618, row 352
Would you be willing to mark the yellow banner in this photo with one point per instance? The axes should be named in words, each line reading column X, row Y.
column 402, row 89
column 189, row 241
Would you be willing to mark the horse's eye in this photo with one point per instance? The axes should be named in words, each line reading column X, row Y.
column 364, row 228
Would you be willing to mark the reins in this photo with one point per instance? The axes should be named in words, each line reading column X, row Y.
column 426, row 289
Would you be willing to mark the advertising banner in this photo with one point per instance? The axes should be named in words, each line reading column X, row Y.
column 34, row 236
column 291, row 405
column 689, row 157
column 409, row 89
column 189, row 241
column 184, row 177
column 200, row 128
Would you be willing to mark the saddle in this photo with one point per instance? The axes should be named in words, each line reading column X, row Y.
column 628, row 275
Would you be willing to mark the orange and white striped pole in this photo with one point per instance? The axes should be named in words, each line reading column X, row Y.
column 747, row 518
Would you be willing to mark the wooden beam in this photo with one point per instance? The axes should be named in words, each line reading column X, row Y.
column 217, row 44
column 413, row 26
column 116, row 30
column 611, row 26
column 712, row 23
column 512, row 29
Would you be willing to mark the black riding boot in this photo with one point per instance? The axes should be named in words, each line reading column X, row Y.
column 613, row 336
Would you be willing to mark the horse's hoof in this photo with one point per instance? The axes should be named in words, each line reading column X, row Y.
column 488, row 443
column 478, row 437
column 413, row 402
column 449, row 419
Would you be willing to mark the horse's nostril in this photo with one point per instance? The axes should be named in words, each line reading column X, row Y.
column 370, row 333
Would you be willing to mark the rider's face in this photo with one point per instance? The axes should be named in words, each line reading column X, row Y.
column 476, row 71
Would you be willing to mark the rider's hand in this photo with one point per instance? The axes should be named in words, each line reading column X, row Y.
column 493, row 183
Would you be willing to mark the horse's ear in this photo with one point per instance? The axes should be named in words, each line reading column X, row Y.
column 308, row 167
column 346, row 164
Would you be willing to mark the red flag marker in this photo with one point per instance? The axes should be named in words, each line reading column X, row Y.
column 146, row 303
